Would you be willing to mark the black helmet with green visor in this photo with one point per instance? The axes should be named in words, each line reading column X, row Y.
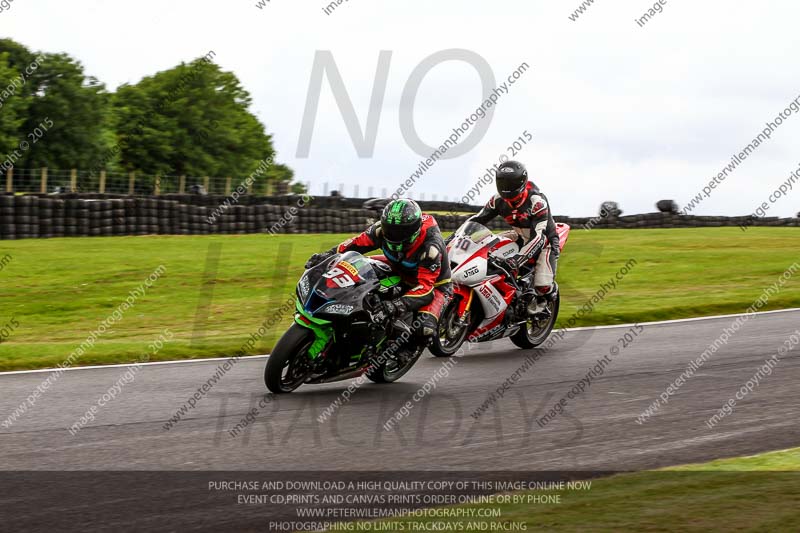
column 401, row 222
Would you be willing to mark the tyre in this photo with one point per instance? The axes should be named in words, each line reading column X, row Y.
column 392, row 370
column 450, row 335
column 536, row 332
column 287, row 366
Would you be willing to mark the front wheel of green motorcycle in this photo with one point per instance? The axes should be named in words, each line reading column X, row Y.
column 287, row 366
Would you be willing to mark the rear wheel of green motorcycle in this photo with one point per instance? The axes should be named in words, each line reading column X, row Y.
column 287, row 366
column 535, row 332
column 392, row 370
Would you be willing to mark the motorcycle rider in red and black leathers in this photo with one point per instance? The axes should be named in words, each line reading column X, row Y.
column 527, row 210
column 414, row 249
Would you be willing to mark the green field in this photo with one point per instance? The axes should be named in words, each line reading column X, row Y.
column 59, row 290
column 755, row 494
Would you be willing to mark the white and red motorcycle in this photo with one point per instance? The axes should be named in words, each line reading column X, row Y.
column 488, row 303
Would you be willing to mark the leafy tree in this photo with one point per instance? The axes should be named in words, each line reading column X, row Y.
column 194, row 120
column 299, row 188
column 57, row 90
column 79, row 109
column 280, row 173
column 19, row 58
column 13, row 108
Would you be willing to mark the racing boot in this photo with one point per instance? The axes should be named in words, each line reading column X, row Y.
column 538, row 309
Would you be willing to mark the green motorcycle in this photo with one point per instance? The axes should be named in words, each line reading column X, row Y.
column 339, row 332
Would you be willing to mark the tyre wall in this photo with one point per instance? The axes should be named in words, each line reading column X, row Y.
column 30, row 216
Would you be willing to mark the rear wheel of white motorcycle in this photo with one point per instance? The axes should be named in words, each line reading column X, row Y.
column 535, row 332
column 450, row 336
column 287, row 366
column 393, row 369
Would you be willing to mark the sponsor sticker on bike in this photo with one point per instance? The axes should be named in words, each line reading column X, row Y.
column 343, row 275
column 350, row 268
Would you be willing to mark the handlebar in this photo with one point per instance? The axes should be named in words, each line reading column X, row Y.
column 493, row 261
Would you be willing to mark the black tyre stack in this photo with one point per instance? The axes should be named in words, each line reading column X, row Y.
column 252, row 219
column 239, row 223
column 356, row 221
column 152, row 216
column 45, row 215
column 221, row 218
column 308, row 222
column 163, row 217
column 243, row 219
column 447, row 222
column 100, row 217
column 71, row 217
column 146, row 216
column 183, row 219
column 272, row 217
column 130, row 216
column 8, row 228
column 227, row 221
column 26, row 219
column 325, row 220
column 259, row 217
column 168, row 217
column 199, row 220
column 298, row 223
column 58, row 210
column 217, row 220
column 119, row 223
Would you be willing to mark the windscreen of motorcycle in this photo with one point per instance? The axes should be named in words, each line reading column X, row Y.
column 468, row 251
column 351, row 269
column 339, row 286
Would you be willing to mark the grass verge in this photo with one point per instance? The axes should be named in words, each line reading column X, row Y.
column 759, row 493
column 59, row 290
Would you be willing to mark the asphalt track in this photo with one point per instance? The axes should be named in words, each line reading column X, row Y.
column 597, row 431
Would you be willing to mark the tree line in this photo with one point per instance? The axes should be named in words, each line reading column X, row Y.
column 193, row 119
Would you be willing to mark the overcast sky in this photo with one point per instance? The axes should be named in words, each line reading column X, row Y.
column 618, row 112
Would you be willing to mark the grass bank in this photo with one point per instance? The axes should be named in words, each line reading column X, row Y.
column 759, row 493
column 217, row 290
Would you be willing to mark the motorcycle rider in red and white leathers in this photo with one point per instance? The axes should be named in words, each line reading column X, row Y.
column 527, row 210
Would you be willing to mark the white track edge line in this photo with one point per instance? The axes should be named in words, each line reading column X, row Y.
column 127, row 365
column 679, row 320
column 247, row 357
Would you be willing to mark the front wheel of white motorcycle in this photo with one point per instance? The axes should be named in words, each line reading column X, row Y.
column 535, row 332
column 451, row 332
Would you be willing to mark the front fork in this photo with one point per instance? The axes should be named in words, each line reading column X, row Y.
column 464, row 304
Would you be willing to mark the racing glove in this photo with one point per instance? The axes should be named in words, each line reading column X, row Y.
column 510, row 263
column 316, row 259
